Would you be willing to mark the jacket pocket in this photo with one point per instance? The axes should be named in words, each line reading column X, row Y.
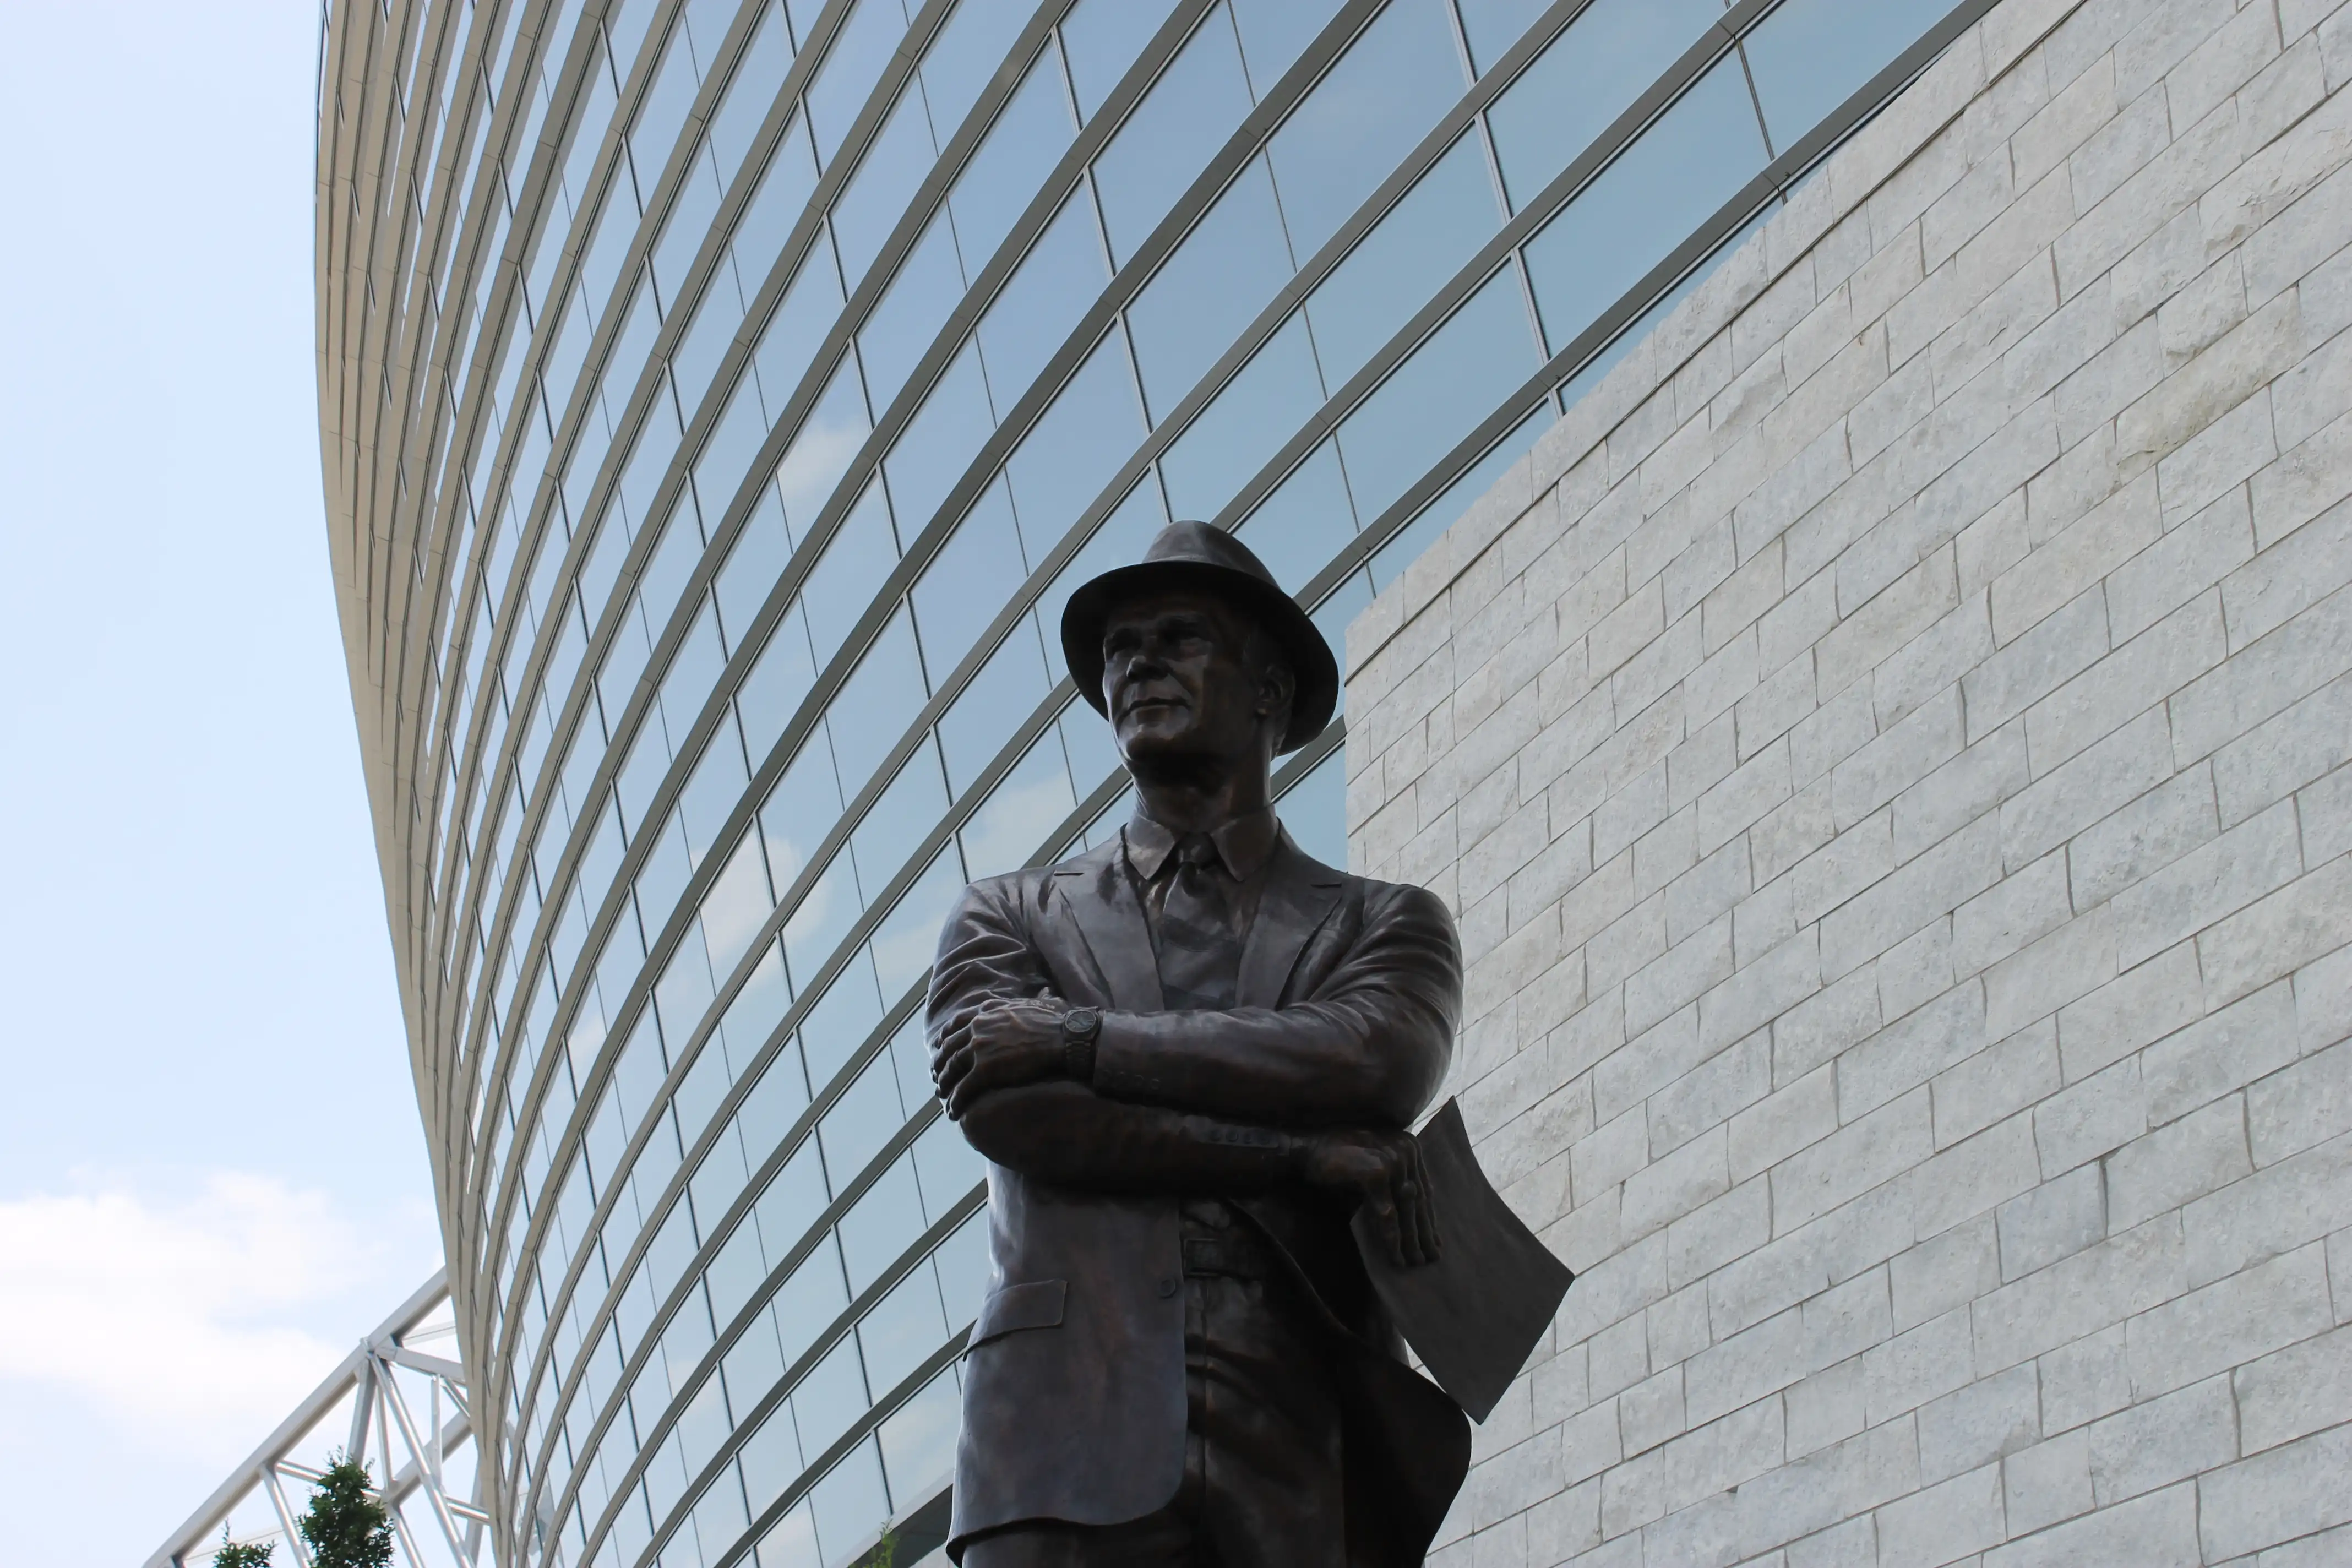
column 1035, row 1305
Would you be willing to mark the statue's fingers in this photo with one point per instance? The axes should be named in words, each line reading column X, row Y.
column 950, row 1036
column 968, row 1088
column 953, row 1070
column 1425, row 1209
column 1384, row 1209
column 987, row 1071
column 1412, row 1229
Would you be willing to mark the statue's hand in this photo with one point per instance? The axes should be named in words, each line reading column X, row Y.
column 1384, row 1169
column 1001, row 1042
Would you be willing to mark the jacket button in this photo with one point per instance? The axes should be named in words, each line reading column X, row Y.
column 1168, row 1285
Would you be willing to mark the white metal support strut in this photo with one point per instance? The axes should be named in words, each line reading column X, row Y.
column 257, row 1498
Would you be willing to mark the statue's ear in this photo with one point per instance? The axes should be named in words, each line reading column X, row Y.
column 1277, row 688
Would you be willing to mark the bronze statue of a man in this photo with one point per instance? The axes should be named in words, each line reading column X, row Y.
column 1191, row 1057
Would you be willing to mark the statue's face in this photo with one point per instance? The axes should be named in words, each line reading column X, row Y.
column 1178, row 680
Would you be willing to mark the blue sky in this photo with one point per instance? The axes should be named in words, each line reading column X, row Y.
column 211, row 1179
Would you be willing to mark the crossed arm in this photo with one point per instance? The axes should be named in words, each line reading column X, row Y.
column 1223, row 1103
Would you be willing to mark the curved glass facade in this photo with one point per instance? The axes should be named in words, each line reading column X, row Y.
column 720, row 399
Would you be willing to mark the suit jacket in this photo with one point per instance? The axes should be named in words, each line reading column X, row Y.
column 1350, row 991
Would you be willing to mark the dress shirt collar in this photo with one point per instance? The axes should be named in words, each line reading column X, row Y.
column 1244, row 844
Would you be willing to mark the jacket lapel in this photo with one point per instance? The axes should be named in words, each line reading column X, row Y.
column 1098, row 899
column 1299, row 897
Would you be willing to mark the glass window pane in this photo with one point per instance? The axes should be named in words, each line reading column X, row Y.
column 999, row 699
column 685, row 228
column 772, row 693
column 842, row 1019
column 969, row 581
column 602, row 569
column 1452, row 382
column 665, row 573
column 718, row 1516
column 711, row 794
column 768, row 220
column 1399, row 77
column 1589, row 76
column 1001, row 180
column 1275, row 33
column 1184, row 119
column 1121, row 537
column 1060, row 466
column 948, row 1167
column 1251, row 418
column 881, row 1224
column 1645, row 204
column 1013, row 824
column 751, row 91
column 800, row 811
column 919, row 1440
column 1304, row 522
column 639, row 1075
column 821, row 451
column 1315, row 810
column 694, row 670
column 664, row 109
column 910, row 1051
column 940, row 442
column 792, row 1543
column 1338, row 607
column 876, row 703
column 1220, row 278
column 814, row 930
column 898, row 821
column 626, row 363
column 860, row 50
column 964, row 54
column 787, row 1206
column 1404, row 547
column 697, row 358
column 864, row 1119
column 830, row 1397
column 1809, row 56
column 1042, row 299
column 909, row 317
column 1102, row 38
column 680, row 996
column 1596, row 369
column 793, row 334
column 901, row 1329
column 1493, row 25
column 962, row 1262
column 1422, row 241
column 843, row 583
column 737, row 905
column 894, row 164
column 727, row 457
column 754, row 564
column 744, row 1029
column 852, row 1505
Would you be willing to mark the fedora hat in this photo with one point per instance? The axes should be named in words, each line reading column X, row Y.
column 1193, row 556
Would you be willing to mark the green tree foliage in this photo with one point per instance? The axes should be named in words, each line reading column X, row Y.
column 241, row 1555
column 347, row 1525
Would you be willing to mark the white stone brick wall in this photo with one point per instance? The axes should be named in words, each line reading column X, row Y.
column 1887, row 748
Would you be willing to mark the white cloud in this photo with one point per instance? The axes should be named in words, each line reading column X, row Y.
column 196, row 1318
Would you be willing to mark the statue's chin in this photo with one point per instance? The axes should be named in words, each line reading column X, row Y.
column 1170, row 757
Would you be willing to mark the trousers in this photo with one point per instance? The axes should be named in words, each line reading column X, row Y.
column 1262, row 1484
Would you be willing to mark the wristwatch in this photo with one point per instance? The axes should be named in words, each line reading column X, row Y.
column 1080, row 1027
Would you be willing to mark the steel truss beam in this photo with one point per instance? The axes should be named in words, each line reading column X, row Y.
column 385, row 1434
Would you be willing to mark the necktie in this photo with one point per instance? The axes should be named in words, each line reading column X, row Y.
column 1200, row 952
